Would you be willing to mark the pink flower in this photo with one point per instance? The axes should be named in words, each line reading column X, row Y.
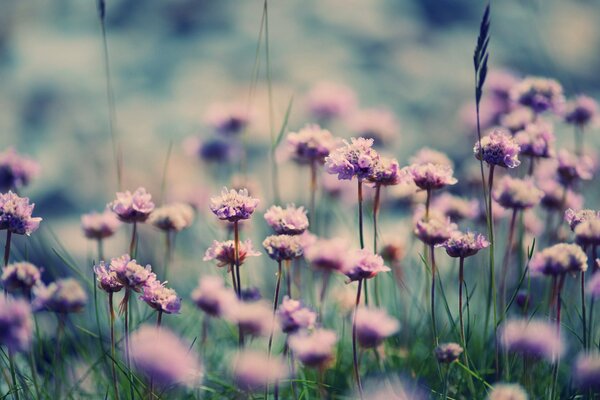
column 290, row 220
column 313, row 349
column 99, row 225
column 373, row 326
column 310, row 144
column 363, row 264
column 224, row 252
column 15, row 214
column 355, row 159
column 233, row 205
column 327, row 100
column 252, row 370
column 133, row 207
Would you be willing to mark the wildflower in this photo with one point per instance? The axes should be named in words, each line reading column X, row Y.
column 251, row 294
column 554, row 193
column 20, row 276
column 233, row 205
column 581, row 111
column 327, row 254
column 587, row 371
column 355, row 159
column 214, row 149
column 363, row 264
column 160, row 297
column 373, row 326
column 328, row 100
column 228, row 119
column 16, row 171
column 464, row 244
column 172, row 217
column 253, row 318
column 314, row 349
column 212, row 297
column 293, row 316
column 500, row 82
column 62, row 296
column 378, row 124
column 539, row 94
column 387, row 173
column 517, row 193
column 131, row 274
column 572, row 168
column 507, row 391
column 310, row 144
column 252, row 370
column 283, row 247
column 430, row 176
column 533, row 338
column 224, row 252
column 290, row 220
column 133, row 207
column 536, row 140
column 456, row 208
column 163, row 358
column 16, row 324
column 587, row 233
column 448, row 352
column 498, row 148
column 434, row 231
column 107, row 278
column 559, row 259
column 517, row 119
column 430, row 156
column 15, row 214
column 574, row 218
column 99, row 225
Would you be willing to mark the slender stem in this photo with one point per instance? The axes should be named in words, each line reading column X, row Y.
column 168, row 253
column 126, row 317
column 313, row 194
column 446, row 381
column 133, row 242
column 583, row 316
column 375, row 249
column 7, row 247
column 59, row 332
column 236, row 246
column 492, row 286
column 531, row 166
column 433, row 321
column 159, row 319
column 507, row 254
column 354, row 349
column 461, row 279
column 325, row 284
column 427, row 203
column 288, row 277
column 360, row 215
column 590, row 334
column 13, row 374
column 111, row 310
column 275, row 303
column 233, row 279
column 100, row 246
column 578, row 140
column 559, row 301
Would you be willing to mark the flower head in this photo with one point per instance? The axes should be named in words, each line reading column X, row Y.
column 15, row 214
column 373, row 326
column 434, row 231
column 536, row 140
column 378, row 124
column 107, row 278
column 559, row 259
column 448, row 352
column 99, row 225
column 517, row 119
column 327, row 100
column 252, row 370
column 227, row 119
column 133, row 207
column 283, row 247
column 293, row 316
column 173, row 217
column 363, row 264
column 290, row 220
column 517, row 193
column 354, row 159
column 16, row 171
column 212, row 297
column 61, row 296
column 310, row 144
column 313, row 349
column 387, row 173
column 464, row 245
column 16, row 324
column 233, row 205
column 572, row 168
column 587, row 233
column 586, row 372
column 162, row 357
column 20, row 276
column 539, row 94
column 581, row 111
column 498, row 148
column 254, row 318
column 534, row 338
column 554, row 193
column 160, row 297
column 224, row 252
column 574, row 218
column 327, row 254
column 131, row 274
column 507, row 391
column 430, row 176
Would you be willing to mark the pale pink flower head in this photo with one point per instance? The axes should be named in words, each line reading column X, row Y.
column 293, row 316
column 533, row 338
column 574, row 218
column 507, row 391
column 572, row 168
column 500, row 82
column 498, row 148
column 539, row 94
column 379, row 124
column 228, row 118
column 255, row 318
column 160, row 297
column 15, row 214
column 517, row 193
column 131, row 274
column 517, row 119
column 16, row 324
column 107, row 278
column 133, row 207
column 290, row 220
column 212, row 297
column 387, row 173
column 61, row 296
column 309, row 145
column 462, row 245
column 586, row 372
column 430, row 176
column 20, row 276
column 448, row 352
column 454, row 207
column 283, row 247
column 224, row 252
column 434, row 231
column 355, row 159
column 363, row 264
column 559, row 259
column 427, row 155
column 252, row 370
column 233, row 205
column 173, row 217
column 313, row 349
column 373, row 326
column 327, row 254
column 581, row 111
column 536, row 140
column 99, row 225
column 16, row 171
column 554, row 193
column 164, row 358
column 327, row 100
column 587, row 233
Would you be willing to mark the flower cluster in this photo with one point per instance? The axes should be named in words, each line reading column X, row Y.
column 16, row 171
column 387, row 173
column 354, row 159
column 532, row 338
column 536, row 140
column 572, row 168
column 62, row 296
column 430, row 176
column 15, row 214
column 456, row 208
column 172, row 217
column 507, row 391
column 310, row 144
column 462, row 245
column 313, row 349
column 559, row 259
column 517, row 193
column 160, row 297
column 228, row 119
column 16, row 324
column 290, row 220
column 233, row 205
column 448, row 352
column 581, row 111
column 293, row 316
column 132, row 207
column 363, row 264
column 224, row 252
column 587, row 371
column 498, row 148
column 107, row 278
column 327, row 254
column 252, row 370
column 131, row 274
column 212, row 297
column 99, row 225
column 574, row 218
column 434, row 231
column 21, row 276
column 373, row 326
column 539, row 94
column 283, row 247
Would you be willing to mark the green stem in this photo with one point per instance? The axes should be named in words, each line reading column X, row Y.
column 133, row 242
column 13, row 374
column 354, row 347
column 433, row 320
column 375, row 249
column 111, row 311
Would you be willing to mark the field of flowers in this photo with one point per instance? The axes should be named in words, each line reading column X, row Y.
column 280, row 238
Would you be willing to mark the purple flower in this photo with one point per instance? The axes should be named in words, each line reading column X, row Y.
column 15, row 214
column 572, row 168
column 517, row 119
column 252, row 370
column 160, row 297
column 378, row 124
column 559, row 259
column 254, row 318
column 173, row 217
column 131, row 274
column 533, row 338
column 363, row 264
column 16, row 324
column 233, row 205
column 464, row 244
column 448, row 352
column 507, row 391
column 293, row 316
column 283, row 247
column 536, row 140
column 61, row 296
column 517, row 193
column 313, row 349
column 586, row 372
column 162, row 357
column 430, row 176
column 290, row 220
column 373, row 326
column 327, row 100
column 539, row 94
column 554, row 193
column 228, row 119
column 498, row 148
column 581, row 111
column 251, row 294
column 587, row 233
column 593, row 285
column 387, row 173
column 500, row 82
column 310, row 144
column 430, row 156
column 355, row 159
column 133, row 207
column 327, row 254
column 16, row 171
column 99, row 225
column 20, row 276
column 107, row 278
column 224, row 252
column 212, row 297
column 434, row 231
column 574, row 218
column 454, row 207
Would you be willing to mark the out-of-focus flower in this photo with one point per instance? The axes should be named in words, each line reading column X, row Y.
column 212, row 297
column 228, row 118
column 99, row 225
column 454, row 207
column 435, row 230
column 581, row 111
column 392, row 252
column 283, row 247
column 379, row 124
column 20, row 276
column 586, row 372
column 354, row 159
column 574, row 218
column 373, row 326
column 517, row 119
column 593, row 285
column 517, row 193
column 327, row 100
column 131, row 274
column 172, row 217
column 533, row 338
column 160, row 297
column 224, row 252
column 133, row 207
column 554, row 196
column 313, row 349
column 464, row 245
column 430, row 176
column 61, row 296
column 16, row 324
column 500, row 82
column 16, row 171
column 572, row 168
column 393, row 388
column 15, row 214
column 498, row 148
column 587, row 233
column 327, row 254
column 251, row 294
column 507, row 391
column 164, row 358
column 559, row 259
column 539, row 94
column 387, row 173
column 448, row 352
column 252, row 370
column 216, row 149
column 107, row 278
column 310, row 144
column 293, row 316
column 233, row 205
column 290, row 220
column 536, row 140
column 254, row 318
column 363, row 264
column 430, row 156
